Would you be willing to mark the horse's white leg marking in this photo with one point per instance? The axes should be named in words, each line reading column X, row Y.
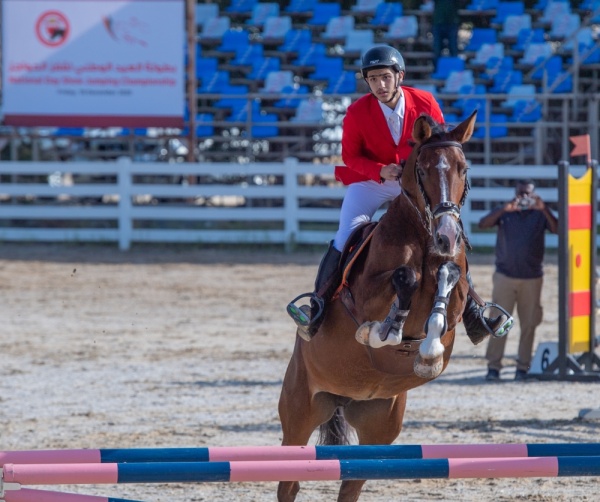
column 436, row 324
column 370, row 333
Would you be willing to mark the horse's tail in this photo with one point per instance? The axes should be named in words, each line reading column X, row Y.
column 335, row 430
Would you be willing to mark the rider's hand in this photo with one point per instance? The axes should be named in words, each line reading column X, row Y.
column 391, row 172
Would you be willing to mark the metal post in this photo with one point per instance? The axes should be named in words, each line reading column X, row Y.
column 190, row 12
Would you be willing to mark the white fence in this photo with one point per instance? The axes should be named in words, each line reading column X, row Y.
column 288, row 203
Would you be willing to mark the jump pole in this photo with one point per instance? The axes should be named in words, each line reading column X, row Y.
column 300, row 470
column 28, row 495
column 263, row 453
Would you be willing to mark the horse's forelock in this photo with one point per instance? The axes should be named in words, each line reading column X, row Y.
column 438, row 131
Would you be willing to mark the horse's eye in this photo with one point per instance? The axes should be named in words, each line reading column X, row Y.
column 420, row 172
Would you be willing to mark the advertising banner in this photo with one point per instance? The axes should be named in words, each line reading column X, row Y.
column 93, row 63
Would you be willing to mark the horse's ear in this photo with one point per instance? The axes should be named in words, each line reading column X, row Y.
column 421, row 130
column 463, row 131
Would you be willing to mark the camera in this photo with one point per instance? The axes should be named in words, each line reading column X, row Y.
column 525, row 202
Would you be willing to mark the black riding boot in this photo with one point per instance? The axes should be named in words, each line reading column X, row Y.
column 479, row 327
column 309, row 318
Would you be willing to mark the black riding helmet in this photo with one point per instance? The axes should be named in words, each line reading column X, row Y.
column 381, row 56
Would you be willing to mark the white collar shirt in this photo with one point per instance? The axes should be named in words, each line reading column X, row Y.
column 395, row 117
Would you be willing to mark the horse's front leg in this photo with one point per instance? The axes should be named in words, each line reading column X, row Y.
column 389, row 332
column 429, row 362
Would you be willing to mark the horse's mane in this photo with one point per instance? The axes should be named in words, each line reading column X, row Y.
column 438, row 131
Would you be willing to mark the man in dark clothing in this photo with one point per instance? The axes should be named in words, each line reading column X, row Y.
column 445, row 24
column 522, row 223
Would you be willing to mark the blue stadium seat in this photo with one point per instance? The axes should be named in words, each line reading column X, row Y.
column 310, row 55
column 204, row 125
column 301, row 6
column 526, row 111
column 247, row 57
column 513, row 25
column 231, row 103
column 205, row 12
column 469, row 93
column 258, row 131
column 498, row 127
column 215, row 29
column 485, row 52
column 505, row 9
column 338, row 28
column 554, row 10
column 528, row 36
column 69, row 131
column 358, row 41
column 535, row 53
column 291, row 99
column 261, row 12
column 214, row 83
column 276, row 28
column 365, row 6
column 447, row 64
column 241, row 6
column 519, row 92
column 323, row 13
column 456, row 80
column 494, row 65
column 234, row 41
column 504, row 80
column 385, row 14
column 482, row 5
column 403, row 29
column 277, row 80
column 296, row 40
column 327, row 67
column 261, row 67
column 552, row 65
column 310, row 111
column 344, row 83
column 481, row 36
column 206, row 66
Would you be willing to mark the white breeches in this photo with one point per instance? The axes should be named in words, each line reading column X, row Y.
column 361, row 202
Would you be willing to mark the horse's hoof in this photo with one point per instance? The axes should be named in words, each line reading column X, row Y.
column 428, row 368
column 363, row 333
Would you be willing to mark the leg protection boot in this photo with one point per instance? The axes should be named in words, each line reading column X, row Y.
column 309, row 318
column 479, row 327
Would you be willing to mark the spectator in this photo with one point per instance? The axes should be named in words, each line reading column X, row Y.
column 376, row 139
column 518, row 277
column 445, row 24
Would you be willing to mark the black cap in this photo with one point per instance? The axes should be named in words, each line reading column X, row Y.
column 381, row 56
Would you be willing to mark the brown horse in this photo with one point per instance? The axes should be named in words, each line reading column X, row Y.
column 392, row 326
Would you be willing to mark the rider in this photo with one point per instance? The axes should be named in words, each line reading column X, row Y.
column 376, row 141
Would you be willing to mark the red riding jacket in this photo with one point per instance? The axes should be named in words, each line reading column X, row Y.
column 367, row 143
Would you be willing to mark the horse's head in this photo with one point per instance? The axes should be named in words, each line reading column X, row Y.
column 435, row 180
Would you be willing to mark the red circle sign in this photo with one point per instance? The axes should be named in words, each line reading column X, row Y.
column 52, row 28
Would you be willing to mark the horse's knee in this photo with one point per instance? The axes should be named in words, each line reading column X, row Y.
column 405, row 283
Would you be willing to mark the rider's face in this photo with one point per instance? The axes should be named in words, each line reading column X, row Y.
column 383, row 82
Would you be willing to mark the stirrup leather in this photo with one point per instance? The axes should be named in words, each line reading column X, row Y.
column 501, row 330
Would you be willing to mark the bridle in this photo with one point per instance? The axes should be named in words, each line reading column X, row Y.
column 445, row 207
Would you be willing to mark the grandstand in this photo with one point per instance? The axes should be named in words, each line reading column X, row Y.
column 275, row 78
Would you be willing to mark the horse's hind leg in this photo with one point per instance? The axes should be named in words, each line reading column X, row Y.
column 389, row 332
column 377, row 421
column 429, row 362
column 300, row 414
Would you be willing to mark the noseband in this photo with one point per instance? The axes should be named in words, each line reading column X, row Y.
column 444, row 207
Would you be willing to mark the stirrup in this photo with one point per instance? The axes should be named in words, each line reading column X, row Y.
column 299, row 315
column 501, row 330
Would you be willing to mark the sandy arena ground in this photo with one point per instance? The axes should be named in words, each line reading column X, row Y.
column 175, row 346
